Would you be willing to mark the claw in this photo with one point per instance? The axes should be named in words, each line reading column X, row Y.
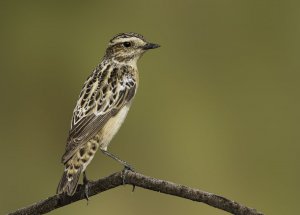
column 86, row 193
column 129, row 167
column 123, row 173
column 86, row 188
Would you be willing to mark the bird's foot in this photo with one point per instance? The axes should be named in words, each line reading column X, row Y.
column 86, row 187
column 86, row 192
column 126, row 168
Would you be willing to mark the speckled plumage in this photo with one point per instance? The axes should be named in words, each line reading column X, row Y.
column 102, row 105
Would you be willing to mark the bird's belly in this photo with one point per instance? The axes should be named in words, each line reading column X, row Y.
column 111, row 127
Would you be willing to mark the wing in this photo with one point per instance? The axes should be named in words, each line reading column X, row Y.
column 103, row 95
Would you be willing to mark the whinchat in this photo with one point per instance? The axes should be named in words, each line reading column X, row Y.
column 102, row 106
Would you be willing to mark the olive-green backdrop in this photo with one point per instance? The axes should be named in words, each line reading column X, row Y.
column 217, row 107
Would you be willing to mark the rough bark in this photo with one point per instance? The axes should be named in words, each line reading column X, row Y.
column 139, row 180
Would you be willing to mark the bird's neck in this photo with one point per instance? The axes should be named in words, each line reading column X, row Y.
column 132, row 62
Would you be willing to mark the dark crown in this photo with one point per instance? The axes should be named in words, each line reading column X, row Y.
column 127, row 35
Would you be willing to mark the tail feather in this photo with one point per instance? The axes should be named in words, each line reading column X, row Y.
column 69, row 180
column 74, row 166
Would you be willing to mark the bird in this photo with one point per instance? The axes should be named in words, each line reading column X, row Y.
column 101, row 108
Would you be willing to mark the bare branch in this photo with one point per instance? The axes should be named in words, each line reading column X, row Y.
column 139, row 180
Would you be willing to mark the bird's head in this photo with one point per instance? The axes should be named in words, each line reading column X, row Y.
column 125, row 47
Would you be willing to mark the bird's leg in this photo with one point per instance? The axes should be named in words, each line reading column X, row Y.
column 86, row 187
column 124, row 163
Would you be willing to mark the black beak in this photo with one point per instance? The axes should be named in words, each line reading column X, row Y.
column 150, row 46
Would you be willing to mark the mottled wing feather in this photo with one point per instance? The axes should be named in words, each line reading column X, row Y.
column 106, row 96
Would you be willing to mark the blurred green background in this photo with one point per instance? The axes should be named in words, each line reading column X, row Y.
column 217, row 107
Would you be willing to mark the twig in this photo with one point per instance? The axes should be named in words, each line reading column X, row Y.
column 139, row 180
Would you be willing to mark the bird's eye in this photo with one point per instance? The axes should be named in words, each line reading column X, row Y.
column 127, row 44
